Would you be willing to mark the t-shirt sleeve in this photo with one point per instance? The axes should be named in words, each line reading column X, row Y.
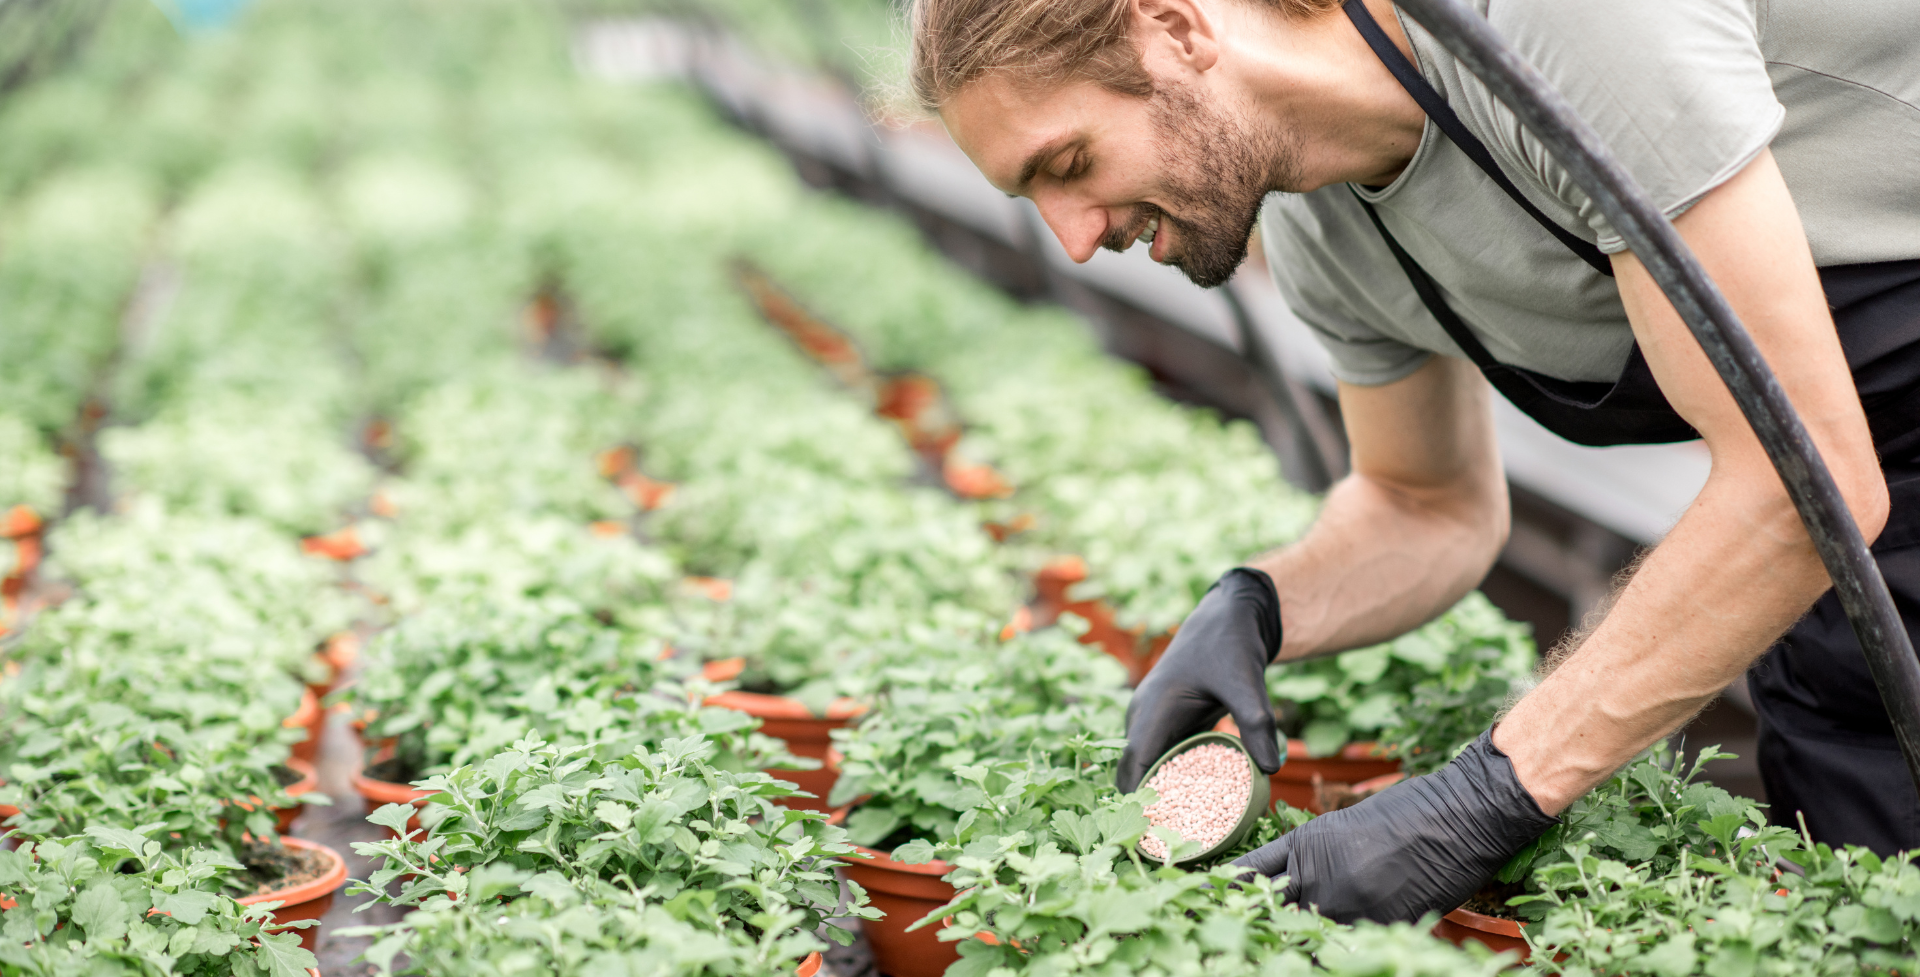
column 1678, row 89
column 1330, row 278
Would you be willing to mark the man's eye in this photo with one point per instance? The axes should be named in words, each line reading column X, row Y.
column 1078, row 167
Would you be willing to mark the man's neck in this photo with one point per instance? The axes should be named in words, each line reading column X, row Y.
column 1319, row 81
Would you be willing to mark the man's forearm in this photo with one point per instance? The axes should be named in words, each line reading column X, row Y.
column 1733, row 576
column 1380, row 562
column 1414, row 527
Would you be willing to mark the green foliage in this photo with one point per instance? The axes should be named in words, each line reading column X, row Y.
column 1042, row 697
column 1046, row 864
column 232, row 597
column 549, row 929
column 1424, row 694
column 661, row 827
column 114, row 904
column 1844, row 912
column 461, row 682
column 225, row 454
column 30, row 474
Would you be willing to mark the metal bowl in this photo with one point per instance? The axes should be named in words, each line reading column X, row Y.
column 1257, row 797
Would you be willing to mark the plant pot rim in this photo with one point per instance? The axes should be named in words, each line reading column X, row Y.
column 308, row 711
column 883, row 861
column 306, row 891
column 1487, row 924
column 1356, row 751
column 388, row 792
column 762, row 706
column 809, row 966
column 1259, row 791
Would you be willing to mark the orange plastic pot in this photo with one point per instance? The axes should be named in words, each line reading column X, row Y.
column 1295, row 781
column 809, row 966
column 342, row 545
column 1464, row 925
column 312, row 718
column 906, row 893
column 308, row 900
column 381, row 792
column 1128, row 646
column 790, row 720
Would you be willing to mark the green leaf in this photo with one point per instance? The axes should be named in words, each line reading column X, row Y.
column 915, row 852
column 102, row 913
column 393, row 817
column 187, row 907
column 1324, row 737
column 283, row 956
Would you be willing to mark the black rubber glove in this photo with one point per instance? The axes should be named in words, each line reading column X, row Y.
column 1423, row 845
column 1217, row 664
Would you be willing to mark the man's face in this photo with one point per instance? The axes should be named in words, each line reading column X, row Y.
column 1107, row 169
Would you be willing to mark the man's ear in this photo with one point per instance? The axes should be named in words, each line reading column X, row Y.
column 1176, row 36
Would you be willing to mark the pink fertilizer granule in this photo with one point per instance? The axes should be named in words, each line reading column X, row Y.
column 1202, row 793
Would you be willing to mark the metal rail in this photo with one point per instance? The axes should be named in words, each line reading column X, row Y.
column 1856, row 578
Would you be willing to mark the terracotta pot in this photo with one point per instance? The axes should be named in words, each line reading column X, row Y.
column 313, row 719
column 1128, row 646
column 1295, row 782
column 1462, row 925
column 338, row 655
column 905, row 893
column 341, row 544
column 810, row 966
column 309, row 900
column 379, row 792
column 789, row 719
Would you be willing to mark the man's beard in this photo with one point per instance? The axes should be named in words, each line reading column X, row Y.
column 1219, row 167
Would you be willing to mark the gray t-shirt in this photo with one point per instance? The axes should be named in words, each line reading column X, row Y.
column 1686, row 92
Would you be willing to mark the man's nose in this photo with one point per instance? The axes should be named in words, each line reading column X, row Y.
column 1079, row 226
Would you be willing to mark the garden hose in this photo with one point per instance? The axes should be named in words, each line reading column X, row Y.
column 1856, row 578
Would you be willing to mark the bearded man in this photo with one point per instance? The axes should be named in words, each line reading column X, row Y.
column 1438, row 251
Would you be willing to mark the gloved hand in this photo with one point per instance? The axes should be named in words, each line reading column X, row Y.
column 1423, row 845
column 1217, row 664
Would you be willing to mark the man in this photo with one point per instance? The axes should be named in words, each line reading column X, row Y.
column 1434, row 246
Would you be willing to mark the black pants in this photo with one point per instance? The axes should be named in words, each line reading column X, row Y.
column 1827, row 751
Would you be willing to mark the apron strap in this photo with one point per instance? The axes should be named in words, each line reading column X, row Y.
column 1442, row 115
column 1429, row 292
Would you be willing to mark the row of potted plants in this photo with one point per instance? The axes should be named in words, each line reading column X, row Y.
column 574, row 791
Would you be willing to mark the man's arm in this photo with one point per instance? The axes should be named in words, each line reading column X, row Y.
column 1412, row 529
column 1739, row 568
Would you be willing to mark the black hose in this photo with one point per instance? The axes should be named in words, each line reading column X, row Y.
column 1856, row 578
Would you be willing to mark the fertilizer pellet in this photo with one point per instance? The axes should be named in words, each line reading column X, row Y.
column 1202, row 792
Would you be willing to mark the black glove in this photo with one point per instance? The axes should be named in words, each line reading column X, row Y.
column 1423, row 845
column 1217, row 664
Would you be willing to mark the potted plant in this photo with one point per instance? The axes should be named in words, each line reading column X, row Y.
column 96, row 904
column 459, row 683
column 1036, row 695
column 655, row 826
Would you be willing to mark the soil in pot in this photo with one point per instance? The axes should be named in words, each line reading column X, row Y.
column 301, row 875
column 789, row 719
column 385, row 781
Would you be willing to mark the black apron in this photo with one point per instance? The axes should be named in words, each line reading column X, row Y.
column 1826, row 745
